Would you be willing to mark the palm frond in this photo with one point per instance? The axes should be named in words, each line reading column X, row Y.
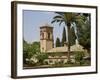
column 53, row 21
column 57, row 17
column 58, row 21
column 61, row 22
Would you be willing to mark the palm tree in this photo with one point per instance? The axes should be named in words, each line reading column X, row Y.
column 68, row 19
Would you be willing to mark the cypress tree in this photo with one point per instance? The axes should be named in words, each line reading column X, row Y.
column 58, row 42
column 73, row 36
column 63, row 36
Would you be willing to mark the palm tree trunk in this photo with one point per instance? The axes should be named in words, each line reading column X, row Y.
column 68, row 25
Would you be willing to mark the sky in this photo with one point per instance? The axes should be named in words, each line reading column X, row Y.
column 33, row 20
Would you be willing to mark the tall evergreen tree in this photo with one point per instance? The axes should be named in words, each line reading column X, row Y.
column 63, row 36
column 84, row 33
column 58, row 42
column 73, row 36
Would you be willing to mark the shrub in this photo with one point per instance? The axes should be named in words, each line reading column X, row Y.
column 79, row 57
column 41, row 57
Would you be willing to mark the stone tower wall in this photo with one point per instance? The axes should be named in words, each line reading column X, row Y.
column 46, row 38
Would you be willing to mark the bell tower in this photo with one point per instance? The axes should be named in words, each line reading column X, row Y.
column 46, row 38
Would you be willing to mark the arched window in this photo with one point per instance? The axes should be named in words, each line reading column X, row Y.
column 48, row 35
column 42, row 34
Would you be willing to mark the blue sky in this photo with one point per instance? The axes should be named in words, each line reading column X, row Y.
column 33, row 20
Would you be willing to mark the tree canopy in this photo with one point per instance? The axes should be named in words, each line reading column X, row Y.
column 84, row 33
column 30, row 49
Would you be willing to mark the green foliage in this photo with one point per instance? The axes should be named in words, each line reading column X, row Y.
column 73, row 36
column 79, row 57
column 84, row 34
column 32, row 53
column 35, row 47
column 58, row 44
column 30, row 49
column 26, row 53
column 41, row 57
column 63, row 36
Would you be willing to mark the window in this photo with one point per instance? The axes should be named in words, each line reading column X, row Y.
column 48, row 35
column 42, row 35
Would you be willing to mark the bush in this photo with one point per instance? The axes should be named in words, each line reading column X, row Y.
column 41, row 57
column 79, row 57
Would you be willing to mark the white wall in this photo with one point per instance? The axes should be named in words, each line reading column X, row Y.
column 5, row 40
